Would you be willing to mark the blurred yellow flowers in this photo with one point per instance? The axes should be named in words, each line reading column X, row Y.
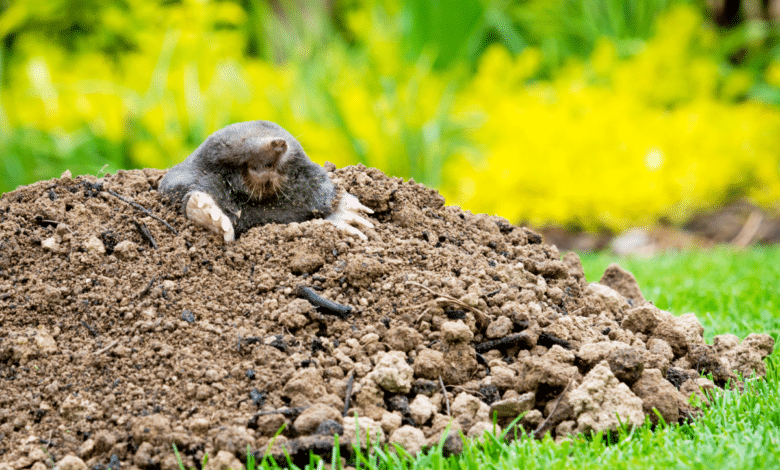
column 608, row 142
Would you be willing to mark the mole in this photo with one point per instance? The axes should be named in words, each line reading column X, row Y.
column 255, row 173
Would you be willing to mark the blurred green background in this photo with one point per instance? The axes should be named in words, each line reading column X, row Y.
column 599, row 114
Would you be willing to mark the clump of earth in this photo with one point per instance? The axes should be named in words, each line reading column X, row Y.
column 126, row 329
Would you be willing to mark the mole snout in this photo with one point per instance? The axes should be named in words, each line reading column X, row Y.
column 270, row 155
column 263, row 176
column 275, row 149
column 279, row 146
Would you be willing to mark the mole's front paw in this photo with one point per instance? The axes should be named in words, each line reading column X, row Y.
column 347, row 215
column 202, row 210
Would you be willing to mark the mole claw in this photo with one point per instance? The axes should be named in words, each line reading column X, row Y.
column 351, row 202
column 203, row 210
column 347, row 213
column 351, row 230
column 360, row 220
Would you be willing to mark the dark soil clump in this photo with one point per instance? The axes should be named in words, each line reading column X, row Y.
column 125, row 331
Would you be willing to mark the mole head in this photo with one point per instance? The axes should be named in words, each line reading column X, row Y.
column 262, row 151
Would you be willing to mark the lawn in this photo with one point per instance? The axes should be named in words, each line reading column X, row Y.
column 731, row 292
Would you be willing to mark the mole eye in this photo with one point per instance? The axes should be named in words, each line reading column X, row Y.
column 268, row 165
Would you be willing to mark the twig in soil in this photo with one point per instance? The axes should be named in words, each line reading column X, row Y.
column 89, row 328
column 549, row 340
column 443, row 299
column 101, row 351
column 48, row 442
column 144, row 231
column 541, row 426
column 456, row 389
column 282, row 411
column 577, row 311
column 522, row 340
column 147, row 288
column 142, row 209
column 323, row 305
column 350, row 383
column 491, row 293
column 481, row 360
column 446, row 398
column 249, row 340
column 46, row 223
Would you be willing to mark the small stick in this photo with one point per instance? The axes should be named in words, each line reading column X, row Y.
column 147, row 288
column 444, row 299
column 481, row 360
column 541, row 426
column 444, row 391
column 142, row 209
column 492, row 293
column 101, row 351
column 522, row 340
column 549, row 340
column 48, row 442
column 350, row 383
column 420, row 316
column 89, row 328
column 282, row 411
column 144, row 230
column 323, row 305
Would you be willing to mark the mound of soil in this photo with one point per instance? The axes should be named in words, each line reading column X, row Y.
column 125, row 330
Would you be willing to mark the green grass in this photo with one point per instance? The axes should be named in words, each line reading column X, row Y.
column 30, row 155
column 732, row 292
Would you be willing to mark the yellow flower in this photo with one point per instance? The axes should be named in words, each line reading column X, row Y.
column 650, row 138
column 772, row 74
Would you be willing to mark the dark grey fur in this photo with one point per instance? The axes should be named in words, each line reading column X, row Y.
column 215, row 167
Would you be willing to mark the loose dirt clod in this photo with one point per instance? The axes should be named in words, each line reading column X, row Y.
column 125, row 330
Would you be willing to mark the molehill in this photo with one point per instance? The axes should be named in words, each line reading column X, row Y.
column 125, row 328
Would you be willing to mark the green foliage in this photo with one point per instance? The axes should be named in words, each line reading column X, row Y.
column 457, row 33
column 29, row 155
column 573, row 28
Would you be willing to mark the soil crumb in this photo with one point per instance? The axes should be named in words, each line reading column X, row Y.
column 127, row 330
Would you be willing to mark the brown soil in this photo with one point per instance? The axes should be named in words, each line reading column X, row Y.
column 740, row 223
column 111, row 348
